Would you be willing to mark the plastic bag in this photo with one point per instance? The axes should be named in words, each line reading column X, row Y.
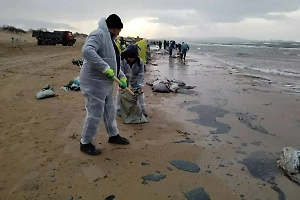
column 46, row 92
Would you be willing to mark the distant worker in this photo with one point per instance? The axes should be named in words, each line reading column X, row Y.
column 121, row 44
column 171, row 48
column 159, row 45
column 184, row 49
column 133, row 67
column 101, row 64
column 165, row 44
column 179, row 47
column 142, row 44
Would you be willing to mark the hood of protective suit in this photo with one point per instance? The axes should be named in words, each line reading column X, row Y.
column 132, row 49
column 102, row 25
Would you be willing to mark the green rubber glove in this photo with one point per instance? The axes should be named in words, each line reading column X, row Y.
column 124, row 82
column 109, row 73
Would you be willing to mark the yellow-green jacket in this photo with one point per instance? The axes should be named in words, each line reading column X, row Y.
column 120, row 46
column 142, row 44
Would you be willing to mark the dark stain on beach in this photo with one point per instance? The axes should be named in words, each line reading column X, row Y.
column 261, row 165
column 186, row 103
column 208, row 115
column 281, row 195
column 252, row 122
column 185, row 165
column 152, row 177
column 196, row 194
column 187, row 140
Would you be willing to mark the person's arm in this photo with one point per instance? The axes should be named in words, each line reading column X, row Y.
column 140, row 74
column 89, row 51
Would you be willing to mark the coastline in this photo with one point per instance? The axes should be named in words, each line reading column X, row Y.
column 40, row 138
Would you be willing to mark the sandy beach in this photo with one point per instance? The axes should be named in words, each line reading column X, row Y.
column 236, row 125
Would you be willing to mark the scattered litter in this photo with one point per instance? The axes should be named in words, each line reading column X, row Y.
column 78, row 62
column 46, row 92
column 72, row 85
column 289, row 163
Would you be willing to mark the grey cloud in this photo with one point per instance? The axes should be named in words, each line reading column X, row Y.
column 214, row 10
column 176, row 12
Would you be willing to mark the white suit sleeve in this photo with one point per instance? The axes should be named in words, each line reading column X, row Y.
column 89, row 50
column 140, row 75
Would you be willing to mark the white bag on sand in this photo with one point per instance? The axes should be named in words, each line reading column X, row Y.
column 46, row 92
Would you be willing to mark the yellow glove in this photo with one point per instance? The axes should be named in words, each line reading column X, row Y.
column 109, row 73
column 124, row 82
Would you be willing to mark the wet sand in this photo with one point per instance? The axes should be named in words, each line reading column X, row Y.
column 237, row 129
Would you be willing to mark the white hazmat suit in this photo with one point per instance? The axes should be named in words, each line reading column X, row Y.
column 99, row 54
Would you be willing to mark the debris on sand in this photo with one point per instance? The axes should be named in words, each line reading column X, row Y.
column 167, row 86
column 289, row 163
column 46, row 92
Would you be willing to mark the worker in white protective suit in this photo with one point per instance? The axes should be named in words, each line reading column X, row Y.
column 101, row 64
column 133, row 67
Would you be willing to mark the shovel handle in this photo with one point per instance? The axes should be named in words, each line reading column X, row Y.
column 120, row 83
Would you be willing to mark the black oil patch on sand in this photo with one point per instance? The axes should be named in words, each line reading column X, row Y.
column 152, row 177
column 251, row 121
column 197, row 194
column 188, row 140
column 261, row 165
column 185, row 165
column 208, row 115
column 281, row 195
column 186, row 103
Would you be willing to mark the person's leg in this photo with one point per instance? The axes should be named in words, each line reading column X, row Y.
column 118, row 103
column 94, row 108
column 141, row 99
column 111, row 123
column 184, row 55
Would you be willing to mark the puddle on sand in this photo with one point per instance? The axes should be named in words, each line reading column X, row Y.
column 208, row 115
column 198, row 193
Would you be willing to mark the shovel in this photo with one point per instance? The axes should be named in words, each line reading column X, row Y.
column 120, row 83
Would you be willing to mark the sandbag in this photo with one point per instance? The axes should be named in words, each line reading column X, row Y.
column 131, row 110
column 46, row 92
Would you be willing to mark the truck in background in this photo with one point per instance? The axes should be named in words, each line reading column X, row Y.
column 65, row 38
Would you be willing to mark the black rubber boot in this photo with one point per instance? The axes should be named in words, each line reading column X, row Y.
column 89, row 149
column 118, row 140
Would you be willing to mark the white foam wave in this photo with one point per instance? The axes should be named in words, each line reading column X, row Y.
column 263, row 70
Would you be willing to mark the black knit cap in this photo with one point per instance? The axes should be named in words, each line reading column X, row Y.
column 114, row 21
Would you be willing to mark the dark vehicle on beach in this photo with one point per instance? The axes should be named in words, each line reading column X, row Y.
column 65, row 38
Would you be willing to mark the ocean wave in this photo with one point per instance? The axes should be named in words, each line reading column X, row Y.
column 275, row 71
column 263, row 70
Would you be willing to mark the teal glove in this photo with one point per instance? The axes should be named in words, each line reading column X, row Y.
column 109, row 73
column 124, row 82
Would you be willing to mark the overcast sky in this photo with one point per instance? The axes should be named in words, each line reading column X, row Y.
column 250, row 19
